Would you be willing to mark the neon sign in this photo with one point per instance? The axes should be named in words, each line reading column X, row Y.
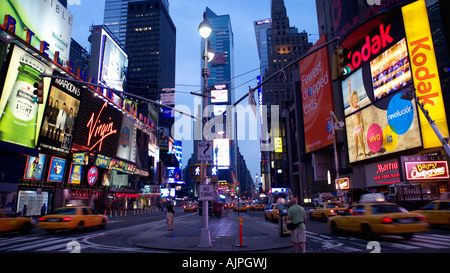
column 426, row 170
column 99, row 129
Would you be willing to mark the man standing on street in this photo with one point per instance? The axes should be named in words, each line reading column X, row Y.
column 297, row 214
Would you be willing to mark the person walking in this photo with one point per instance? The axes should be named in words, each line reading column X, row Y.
column 43, row 209
column 169, row 215
column 24, row 211
column 297, row 214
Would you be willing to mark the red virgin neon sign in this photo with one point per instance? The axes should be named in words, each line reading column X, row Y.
column 100, row 129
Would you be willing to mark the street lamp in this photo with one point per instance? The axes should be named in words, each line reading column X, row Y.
column 336, row 125
column 205, row 30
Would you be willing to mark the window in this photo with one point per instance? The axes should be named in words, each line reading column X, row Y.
column 359, row 210
column 444, row 206
column 87, row 211
column 429, row 206
column 385, row 208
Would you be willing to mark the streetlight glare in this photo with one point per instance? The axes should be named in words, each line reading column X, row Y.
column 205, row 27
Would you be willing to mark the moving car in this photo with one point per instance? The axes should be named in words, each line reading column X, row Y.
column 9, row 221
column 240, row 206
column 75, row 218
column 257, row 205
column 190, row 206
column 436, row 212
column 370, row 218
column 272, row 213
column 327, row 210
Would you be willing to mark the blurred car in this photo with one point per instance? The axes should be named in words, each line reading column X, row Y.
column 257, row 205
column 75, row 218
column 437, row 212
column 10, row 221
column 240, row 206
column 190, row 207
column 327, row 210
column 378, row 218
column 272, row 213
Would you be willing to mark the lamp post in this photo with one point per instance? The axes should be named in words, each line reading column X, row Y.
column 205, row 30
column 336, row 125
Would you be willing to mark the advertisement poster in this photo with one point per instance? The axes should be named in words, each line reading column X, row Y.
column 221, row 153
column 127, row 140
column 317, row 99
column 424, row 70
column 60, row 117
column 387, row 126
column 34, row 167
column 50, row 21
column 56, row 171
column 75, row 174
column 20, row 117
column 114, row 65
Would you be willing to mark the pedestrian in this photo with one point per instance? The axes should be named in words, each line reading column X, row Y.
column 43, row 209
column 24, row 211
column 297, row 214
column 169, row 216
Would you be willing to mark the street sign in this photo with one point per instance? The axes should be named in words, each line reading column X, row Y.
column 195, row 171
column 206, row 192
column 205, row 151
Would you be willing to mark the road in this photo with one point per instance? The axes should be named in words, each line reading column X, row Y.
column 114, row 239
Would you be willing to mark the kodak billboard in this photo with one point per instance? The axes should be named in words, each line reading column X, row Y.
column 424, row 70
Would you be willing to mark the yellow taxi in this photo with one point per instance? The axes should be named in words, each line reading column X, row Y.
column 273, row 212
column 9, row 221
column 378, row 217
column 257, row 205
column 75, row 218
column 327, row 210
column 436, row 212
column 191, row 206
column 240, row 206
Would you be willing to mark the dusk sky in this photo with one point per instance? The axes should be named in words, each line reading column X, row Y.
column 187, row 15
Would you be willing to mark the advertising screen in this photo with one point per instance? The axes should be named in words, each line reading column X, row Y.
column 221, row 152
column 425, row 71
column 387, row 126
column 220, row 92
column 20, row 117
column 391, row 71
column 56, row 171
column 60, row 117
column 317, row 99
column 35, row 167
column 142, row 139
column 114, row 64
column 127, row 139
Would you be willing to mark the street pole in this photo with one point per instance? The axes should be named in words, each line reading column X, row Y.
column 205, row 235
column 336, row 161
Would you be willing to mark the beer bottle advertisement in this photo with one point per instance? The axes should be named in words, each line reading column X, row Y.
column 20, row 116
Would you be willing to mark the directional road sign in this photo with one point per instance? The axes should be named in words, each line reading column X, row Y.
column 205, row 151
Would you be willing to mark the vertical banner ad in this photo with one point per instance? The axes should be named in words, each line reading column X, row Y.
column 317, row 99
column 425, row 71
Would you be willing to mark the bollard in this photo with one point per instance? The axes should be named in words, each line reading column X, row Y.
column 240, row 234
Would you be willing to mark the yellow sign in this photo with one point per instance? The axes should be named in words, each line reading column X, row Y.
column 424, row 70
column 278, row 145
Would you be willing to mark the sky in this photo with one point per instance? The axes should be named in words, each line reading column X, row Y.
column 187, row 15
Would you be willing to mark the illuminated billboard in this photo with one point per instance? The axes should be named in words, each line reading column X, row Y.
column 317, row 99
column 220, row 92
column 221, row 153
column 20, row 116
column 424, row 70
column 34, row 167
column 387, row 126
column 40, row 21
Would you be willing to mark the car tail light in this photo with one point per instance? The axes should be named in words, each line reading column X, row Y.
column 278, row 212
column 66, row 219
column 386, row 220
column 422, row 218
column 331, row 211
column 41, row 219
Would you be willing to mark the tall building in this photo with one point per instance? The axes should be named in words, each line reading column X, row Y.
column 150, row 44
column 284, row 45
column 262, row 28
column 115, row 17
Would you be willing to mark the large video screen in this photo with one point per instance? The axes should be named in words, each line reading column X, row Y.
column 114, row 64
column 391, row 70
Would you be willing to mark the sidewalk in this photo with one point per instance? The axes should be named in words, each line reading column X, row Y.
column 257, row 235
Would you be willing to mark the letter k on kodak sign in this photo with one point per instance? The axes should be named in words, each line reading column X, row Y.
column 424, row 70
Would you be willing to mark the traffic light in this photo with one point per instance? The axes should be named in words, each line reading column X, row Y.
column 195, row 170
column 39, row 92
column 340, row 64
column 211, row 170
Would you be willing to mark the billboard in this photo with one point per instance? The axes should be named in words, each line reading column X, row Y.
column 221, row 153
column 39, row 21
column 56, row 170
column 60, row 117
column 220, row 92
column 424, row 70
column 114, row 63
column 387, row 126
column 34, row 168
column 317, row 99
column 20, row 117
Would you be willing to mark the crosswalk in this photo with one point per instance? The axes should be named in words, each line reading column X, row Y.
column 36, row 243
